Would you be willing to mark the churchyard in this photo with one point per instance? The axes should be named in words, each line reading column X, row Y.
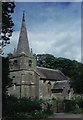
column 27, row 109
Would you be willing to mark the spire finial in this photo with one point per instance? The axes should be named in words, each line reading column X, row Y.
column 23, row 15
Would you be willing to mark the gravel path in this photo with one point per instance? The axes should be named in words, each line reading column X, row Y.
column 62, row 116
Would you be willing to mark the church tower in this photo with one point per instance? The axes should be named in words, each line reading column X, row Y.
column 23, row 68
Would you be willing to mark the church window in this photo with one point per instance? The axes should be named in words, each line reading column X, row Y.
column 14, row 86
column 13, row 76
column 49, row 86
column 49, row 83
column 15, row 62
column 30, row 63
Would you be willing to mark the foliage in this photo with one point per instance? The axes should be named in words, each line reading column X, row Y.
column 79, row 101
column 69, row 105
column 74, row 106
column 6, row 81
column 76, row 111
column 71, row 68
column 7, row 22
column 25, row 108
column 22, row 105
column 45, row 60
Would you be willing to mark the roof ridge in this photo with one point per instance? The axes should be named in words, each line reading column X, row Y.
column 49, row 69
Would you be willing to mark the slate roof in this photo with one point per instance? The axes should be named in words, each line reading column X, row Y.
column 50, row 74
column 60, row 85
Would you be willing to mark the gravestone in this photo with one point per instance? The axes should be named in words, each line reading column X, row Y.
column 65, row 92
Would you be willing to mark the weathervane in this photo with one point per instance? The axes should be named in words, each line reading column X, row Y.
column 23, row 15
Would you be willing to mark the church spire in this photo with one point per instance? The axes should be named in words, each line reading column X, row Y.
column 23, row 44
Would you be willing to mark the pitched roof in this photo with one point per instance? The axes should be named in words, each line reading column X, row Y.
column 50, row 74
column 59, row 86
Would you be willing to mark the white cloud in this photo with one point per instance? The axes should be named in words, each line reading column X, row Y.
column 60, row 38
column 13, row 43
column 53, row 43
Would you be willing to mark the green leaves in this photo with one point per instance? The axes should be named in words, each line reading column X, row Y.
column 7, row 22
column 6, row 81
column 23, row 106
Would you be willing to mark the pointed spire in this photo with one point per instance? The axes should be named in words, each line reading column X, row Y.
column 23, row 44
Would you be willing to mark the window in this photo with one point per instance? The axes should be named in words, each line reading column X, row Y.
column 13, row 76
column 15, row 62
column 30, row 63
column 49, row 87
column 49, row 83
column 14, row 86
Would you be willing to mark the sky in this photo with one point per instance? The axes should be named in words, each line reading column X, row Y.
column 42, row 0
column 52, row 28
column 48, row 0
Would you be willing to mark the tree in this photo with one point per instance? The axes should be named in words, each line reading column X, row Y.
column 6, row 82
column 7, row 22
column 45, row 60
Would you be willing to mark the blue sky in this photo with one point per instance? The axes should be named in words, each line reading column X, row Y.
column 52, row 27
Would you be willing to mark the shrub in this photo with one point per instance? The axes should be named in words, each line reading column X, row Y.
column 69, row 105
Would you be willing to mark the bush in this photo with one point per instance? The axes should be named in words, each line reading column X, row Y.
column 14, row 105
column 70, row 105
column 26, row 108
column 76, row 111
column 80, row 102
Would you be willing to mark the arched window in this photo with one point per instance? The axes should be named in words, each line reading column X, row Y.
column 49, row 87
column 30, row 63
column 49, row 83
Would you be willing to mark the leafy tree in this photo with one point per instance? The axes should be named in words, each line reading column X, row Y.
column 7, row 23
column 6, row 82
column 45, row 60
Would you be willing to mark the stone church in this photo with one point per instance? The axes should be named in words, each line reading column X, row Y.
column 32, row 81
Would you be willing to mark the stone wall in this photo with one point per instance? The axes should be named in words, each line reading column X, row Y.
column 27, row 81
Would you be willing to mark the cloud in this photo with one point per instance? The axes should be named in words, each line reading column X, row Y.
column 64, row 44
column 60, row 46
column 55, row 29
column 13, row 43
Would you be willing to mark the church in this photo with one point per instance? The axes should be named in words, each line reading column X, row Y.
column 29, row 80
